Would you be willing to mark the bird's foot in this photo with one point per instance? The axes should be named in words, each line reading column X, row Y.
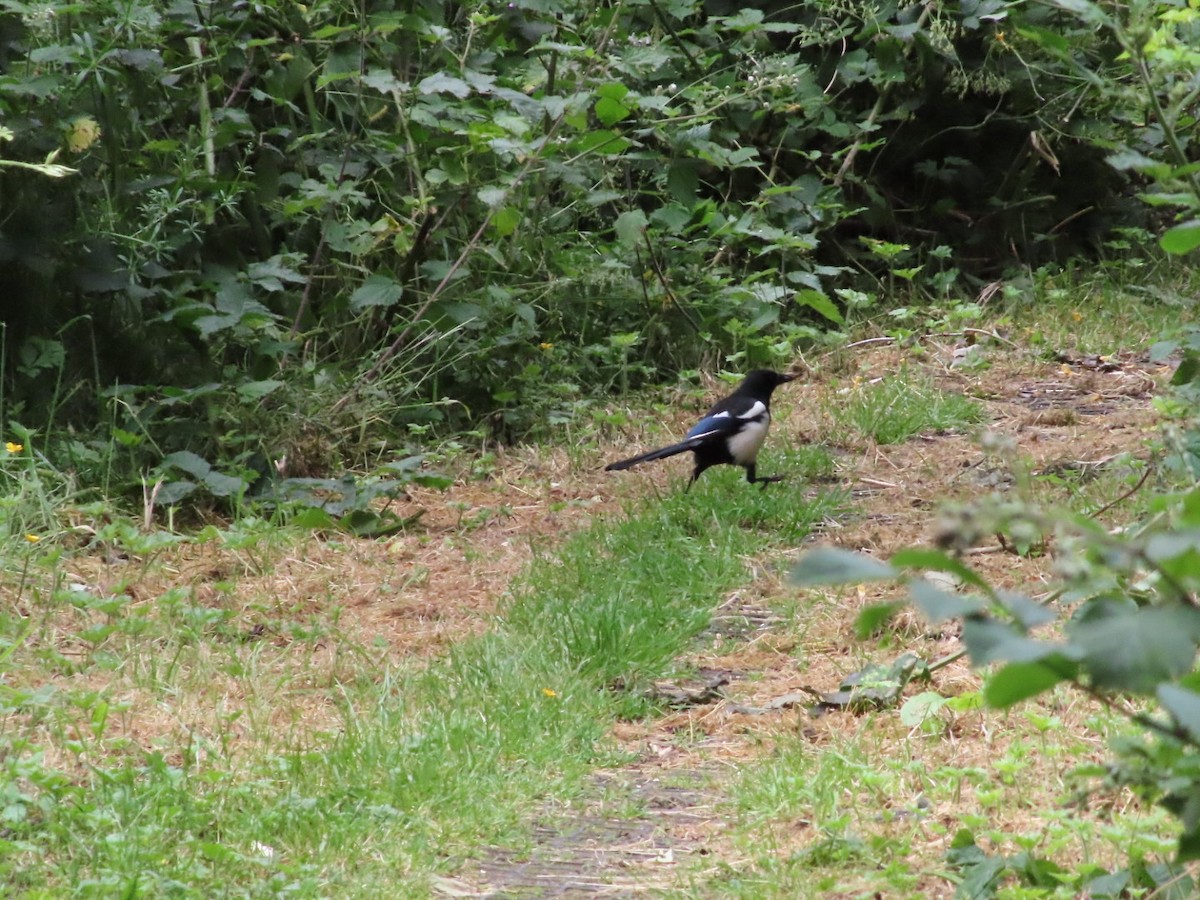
column 764, row 480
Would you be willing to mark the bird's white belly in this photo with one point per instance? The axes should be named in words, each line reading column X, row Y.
column 744, row 445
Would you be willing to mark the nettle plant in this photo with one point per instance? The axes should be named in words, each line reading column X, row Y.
column 1123, row 619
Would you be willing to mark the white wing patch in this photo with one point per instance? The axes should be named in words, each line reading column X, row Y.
column 753, row 412
column 744, row 445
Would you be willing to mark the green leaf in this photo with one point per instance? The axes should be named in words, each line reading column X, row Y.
column 938, row 605
column 441, row 83
column 629, row 227
column 377, row 290
column 1182, row 238
column 989, row 641
column 872, row 618
column 1138, row 651
column 1188, row 369
column 1044, row 37
column 923, row 558
column 256, row 390
column 817, row 301
column 189, row 462
column 221, row 485
column 173, row 492
column 1184, row 707
column 683, row 181
column 607, row 143
column 1019, row 681
column 917, row 709
column 613, row 90
column 506, row 220
column 1027, row 611
column 610, row 112
column 492, row 195
column 433, row 480
column 313, row 519
column 1085, row 10
column 832, row 565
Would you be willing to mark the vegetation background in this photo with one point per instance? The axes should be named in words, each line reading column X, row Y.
column 283, row 222
column 248, row 248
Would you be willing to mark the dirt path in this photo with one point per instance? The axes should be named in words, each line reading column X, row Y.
column 664, row 823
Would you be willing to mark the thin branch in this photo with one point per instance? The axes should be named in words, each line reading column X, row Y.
column 1125, row 496
column 697, row 69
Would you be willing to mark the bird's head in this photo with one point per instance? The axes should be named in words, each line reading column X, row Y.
column 761, row 382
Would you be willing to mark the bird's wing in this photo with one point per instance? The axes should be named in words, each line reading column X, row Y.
column 715, row 425
column 729, row 417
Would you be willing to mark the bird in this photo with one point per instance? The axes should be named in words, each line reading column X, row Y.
column 731, row 433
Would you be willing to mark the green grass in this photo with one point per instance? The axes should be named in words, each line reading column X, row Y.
column 866, row 802
column 424, row 763
column 901, row 406
column 1119, row 309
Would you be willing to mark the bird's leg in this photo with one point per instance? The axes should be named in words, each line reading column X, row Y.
column 752, row 477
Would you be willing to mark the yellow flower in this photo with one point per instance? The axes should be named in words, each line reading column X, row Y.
column 82, row 133
column 549, row 693
column 13, row 448
column 546, row 346
column 32, row 538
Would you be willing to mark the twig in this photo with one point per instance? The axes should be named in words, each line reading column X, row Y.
column 662, row 280
column 697, row 69
column 1125, row 496
column 982, row 331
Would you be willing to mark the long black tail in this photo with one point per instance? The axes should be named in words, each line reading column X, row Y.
column 662, row 453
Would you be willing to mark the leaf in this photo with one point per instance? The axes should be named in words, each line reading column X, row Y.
column 173, row 492
column 923, row 558
column 492, row 196
column 256, row 390
column 1019, row 681
column 441, row 83
column 990, row 641
column 832, row 566
column 629, row 227
column 377, row 290
column 1184, row 707
column 872, row 618
column 1182, row 238
column 1188, row 369
column 1137, row 651
column 818, row 301
column 938, row 605
column 925, row 705
column 1085, row 10
column 313, row 519
column 433, row 480
column 1027, row 611
column 610, row 112
column 189, row 462
column 506, row 220
column 221, row 485
column 607, row 143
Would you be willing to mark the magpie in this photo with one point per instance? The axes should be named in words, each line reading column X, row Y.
column 731, row 433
